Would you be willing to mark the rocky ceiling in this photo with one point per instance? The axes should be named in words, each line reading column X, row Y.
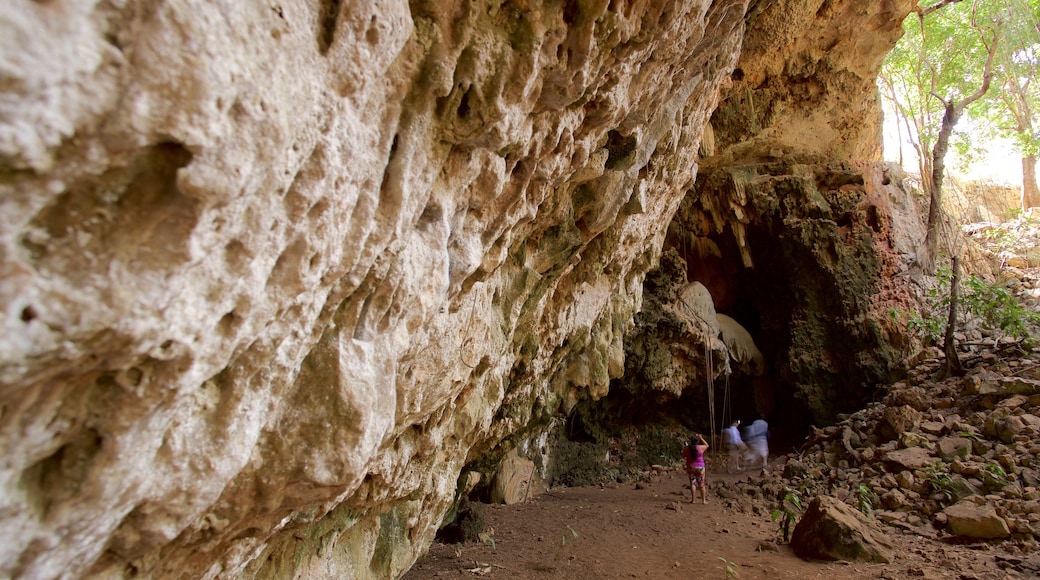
column 274, row 272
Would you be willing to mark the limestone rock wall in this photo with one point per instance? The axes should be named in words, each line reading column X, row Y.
column 273, row 272
column 817, row 259
column 804, row 87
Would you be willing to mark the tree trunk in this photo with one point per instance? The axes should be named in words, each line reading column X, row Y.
column 1030, row 192
column 942, row 145
column 953, row 367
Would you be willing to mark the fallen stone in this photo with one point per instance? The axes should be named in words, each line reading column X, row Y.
column 514, row 481
column 998, row 385
column 965, row 518
column 832, row 530
column 894, row 499
column 933, row 427
column 898, row 420
column 961, row 488
column 910, row 458
column 1011, row 426
column 950, row 448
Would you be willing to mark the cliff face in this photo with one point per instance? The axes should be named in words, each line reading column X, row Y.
column 273, row 273
column 812, row 261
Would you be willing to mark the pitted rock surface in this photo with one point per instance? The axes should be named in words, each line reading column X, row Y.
column 274, row 274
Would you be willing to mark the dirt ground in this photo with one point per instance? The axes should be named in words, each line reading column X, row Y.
column 652, row 530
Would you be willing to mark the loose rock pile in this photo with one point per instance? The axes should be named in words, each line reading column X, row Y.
column 959, row 456
column 954, row 458
column 1014, row 243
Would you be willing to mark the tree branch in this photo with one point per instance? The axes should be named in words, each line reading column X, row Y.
column 925, row 11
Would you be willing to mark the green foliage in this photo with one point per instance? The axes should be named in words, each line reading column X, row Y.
column 939, row 55
column 573, row 534
column 867, row 500
column 940, row 479
column 929, row 328
column 1010, row 113
column 942, row 56
column 488, row 537
column 788, row 511
column 997, row 308
column 994, row 476
column 731, row 568
column 577, row 463
column 654, row 445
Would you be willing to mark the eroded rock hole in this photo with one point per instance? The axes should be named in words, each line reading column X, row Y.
column 328, row 18
column 60, row 476
column 134, row 214
column 463, row 110
column 372, row 34
column 619, row 148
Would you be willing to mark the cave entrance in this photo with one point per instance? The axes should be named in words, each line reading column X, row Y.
column 757, row 299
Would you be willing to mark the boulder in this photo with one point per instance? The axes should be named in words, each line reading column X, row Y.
column 894, row 499
column 933, row 427
column 961, row 487
column 968, row 519
column 898, row 420
column 832, row 530
column 515, row 480
column 950, row 448
column 910, row 458
column 1013, row 425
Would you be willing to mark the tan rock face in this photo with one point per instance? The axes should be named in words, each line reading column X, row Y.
column 272, row 273
column 804, row 86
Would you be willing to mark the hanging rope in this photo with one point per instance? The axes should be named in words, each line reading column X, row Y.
column 711, row 393
column 727, row 408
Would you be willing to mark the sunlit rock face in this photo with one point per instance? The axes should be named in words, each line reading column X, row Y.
column 273, row 273
column 804, row 87
column 814, row 261
column 793, row 227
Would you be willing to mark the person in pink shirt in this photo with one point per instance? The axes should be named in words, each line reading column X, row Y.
column 693, row 456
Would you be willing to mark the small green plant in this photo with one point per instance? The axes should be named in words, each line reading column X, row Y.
column 970, row 435
column 998, row 308
column 867, row 500
column 574, row 535
column 940, row 480
column 994, row 304
column 732, row 569
column 488, row 537
column 930, row 328
column 994, row 476
column 788, row 512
